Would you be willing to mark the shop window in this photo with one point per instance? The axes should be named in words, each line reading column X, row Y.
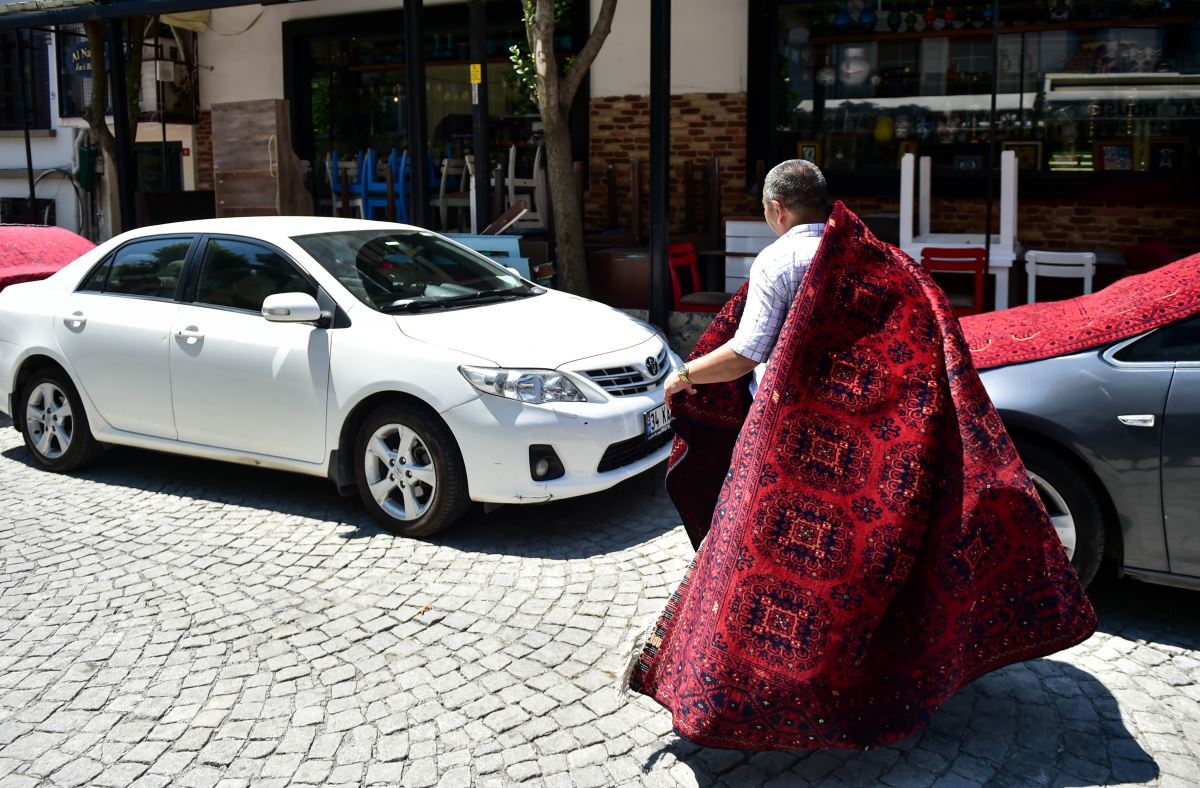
column 856, row 88
column 36, row 80
column 347, row 81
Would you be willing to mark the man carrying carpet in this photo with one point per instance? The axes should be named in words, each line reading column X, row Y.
column 868, row 540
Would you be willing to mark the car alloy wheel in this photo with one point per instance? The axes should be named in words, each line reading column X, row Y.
column 50, row 420
column 400, row 472
column 54, row 423
column 1059, row 511
column 410, row 473
column 1073, row 500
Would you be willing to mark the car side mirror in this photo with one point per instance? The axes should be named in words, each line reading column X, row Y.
column 515, row 272
column 291, row 308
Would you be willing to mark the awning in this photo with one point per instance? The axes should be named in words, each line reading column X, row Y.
column 47, row 13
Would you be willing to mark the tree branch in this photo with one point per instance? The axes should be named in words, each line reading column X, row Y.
column 583, row 61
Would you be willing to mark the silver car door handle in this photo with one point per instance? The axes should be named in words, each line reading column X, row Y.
column 1139, row 420
column 76, row 320
column 191, row 334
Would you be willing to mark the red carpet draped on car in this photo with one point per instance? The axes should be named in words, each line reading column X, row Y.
column 875, row 544
column 1122, row 310
column 29, row 252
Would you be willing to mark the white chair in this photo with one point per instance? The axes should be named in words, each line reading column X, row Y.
column 532, row 191
column 451, row 168
column 1061, row 265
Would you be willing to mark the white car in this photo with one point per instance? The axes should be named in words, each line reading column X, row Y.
column 385, row 357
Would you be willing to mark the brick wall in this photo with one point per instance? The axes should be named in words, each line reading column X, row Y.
column 702, row 125
column 204, row 152
column 1088, row 225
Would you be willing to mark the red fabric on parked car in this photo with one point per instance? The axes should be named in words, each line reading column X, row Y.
column 29, row 252
column 872, row 544
column 1124, row 309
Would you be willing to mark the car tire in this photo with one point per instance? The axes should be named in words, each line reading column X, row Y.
column 1068, row 493
column 54, row 424
column 409, row 471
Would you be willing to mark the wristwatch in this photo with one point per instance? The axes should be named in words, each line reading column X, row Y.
column 682, row 372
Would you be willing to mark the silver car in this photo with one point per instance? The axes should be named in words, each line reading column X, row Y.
column 1111, row 439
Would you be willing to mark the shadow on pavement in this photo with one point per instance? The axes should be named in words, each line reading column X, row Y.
column 1136, row 610
column 1041, row 723
column 629, row 514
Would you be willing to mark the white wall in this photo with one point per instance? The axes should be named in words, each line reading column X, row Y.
column 708, row 47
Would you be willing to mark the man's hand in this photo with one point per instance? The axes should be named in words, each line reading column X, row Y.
column 676, row 385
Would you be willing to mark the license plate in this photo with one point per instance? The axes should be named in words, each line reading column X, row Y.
column 657, row 421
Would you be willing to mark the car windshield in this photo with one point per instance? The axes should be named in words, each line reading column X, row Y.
column 412, row 270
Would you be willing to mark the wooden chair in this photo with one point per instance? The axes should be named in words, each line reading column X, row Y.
column 682, row 257
column 958, row 262
column 1061, row 265
column 456, row 169
column 346, row 201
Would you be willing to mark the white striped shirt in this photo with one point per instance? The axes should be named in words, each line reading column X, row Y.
column 775, row 279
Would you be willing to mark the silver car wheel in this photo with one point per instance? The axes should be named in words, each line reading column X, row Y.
column 49, row 421
column 1060, row 513
column 400, row 472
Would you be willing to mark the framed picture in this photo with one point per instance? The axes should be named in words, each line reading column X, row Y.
column 1167, row 154
column 906, row 146
column 968, row 163
column 809, row 150
column 840, row 151
column 1029, row 154
column 1113, row 155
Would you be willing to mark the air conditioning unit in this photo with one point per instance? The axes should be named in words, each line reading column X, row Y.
column 163, row 71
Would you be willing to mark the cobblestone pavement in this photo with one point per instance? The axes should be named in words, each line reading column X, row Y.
column 172, row 621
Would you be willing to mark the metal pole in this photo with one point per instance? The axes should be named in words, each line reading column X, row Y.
column 477, row 21
column 991, row 166
column 660, row 156
column 23, row 104
column 414, row 57
column 117, row 76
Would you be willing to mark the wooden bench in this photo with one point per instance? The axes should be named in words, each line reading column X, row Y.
column 503, row 249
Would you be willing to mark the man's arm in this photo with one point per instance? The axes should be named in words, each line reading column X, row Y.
column 719, row 366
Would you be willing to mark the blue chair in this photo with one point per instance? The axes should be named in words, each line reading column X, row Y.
column 398, row 164
column 372, row 189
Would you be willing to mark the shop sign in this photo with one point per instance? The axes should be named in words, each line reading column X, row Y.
column 79, row 59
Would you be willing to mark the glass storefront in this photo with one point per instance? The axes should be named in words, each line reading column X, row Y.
column 1090, row 86
column 349, row 91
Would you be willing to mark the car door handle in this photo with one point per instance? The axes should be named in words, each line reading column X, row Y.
column 191, row 334
column 76, row 320
column 1139, row 420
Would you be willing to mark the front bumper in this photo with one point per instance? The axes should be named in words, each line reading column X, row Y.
column 494, row 435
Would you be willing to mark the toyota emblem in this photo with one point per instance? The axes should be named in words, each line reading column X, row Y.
column 652, row 367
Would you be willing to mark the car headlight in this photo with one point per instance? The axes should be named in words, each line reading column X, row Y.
column 535, row 386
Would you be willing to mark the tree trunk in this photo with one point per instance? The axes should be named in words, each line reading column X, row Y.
column 554, row 98
column 570, row 255
column 95, row 114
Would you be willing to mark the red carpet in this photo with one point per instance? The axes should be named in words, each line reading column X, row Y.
column 29, row 252
column 876, row 544
column 1122, row 310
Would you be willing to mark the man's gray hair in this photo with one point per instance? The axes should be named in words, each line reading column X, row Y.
column 798, row 184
